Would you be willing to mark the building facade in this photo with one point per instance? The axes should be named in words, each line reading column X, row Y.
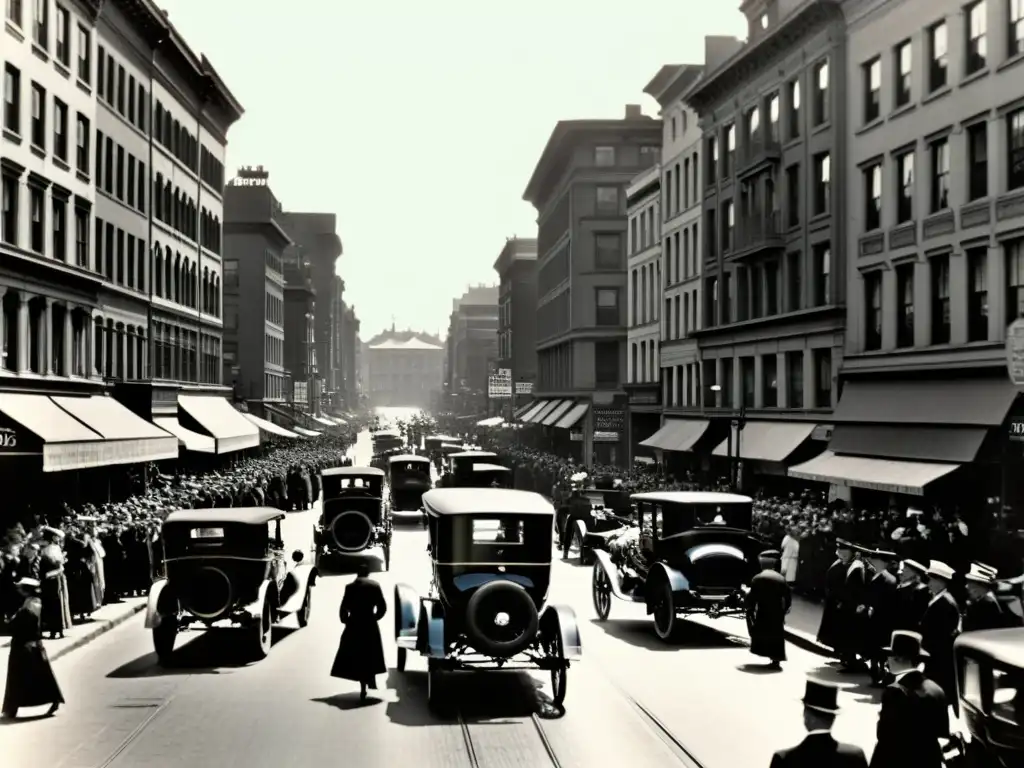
column 643, row 305
column 303, row 380
column 516, row 266
column 936, row 142
column 349, row 357
column 472, row 348
column 578, row 189
column 254, row 280
column 404, row 368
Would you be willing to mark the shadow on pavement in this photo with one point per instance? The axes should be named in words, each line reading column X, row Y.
column 348, row 701
column 22, row 719
column 752, row 668
column 346, row 565
column 856, row 683
column 640, row 632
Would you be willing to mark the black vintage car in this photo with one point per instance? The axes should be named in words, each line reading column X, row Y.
column 460, row 465
column 487, row 607
column 990, row 680
column 386, row 440
column 227, row 566
column 408, row 480
column 490, row 476
column 354, row 516
column 589, row 515
column 691, row 552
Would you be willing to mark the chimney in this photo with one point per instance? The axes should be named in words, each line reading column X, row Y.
column 633, row 112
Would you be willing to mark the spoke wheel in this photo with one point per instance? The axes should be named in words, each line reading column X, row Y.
column 602, row 593
column 665, row 614
column 263, row 632
column 307, row 607
column 559, row 674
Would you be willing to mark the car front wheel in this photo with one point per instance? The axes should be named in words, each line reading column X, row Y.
column 164, row 637
column 262, row 632
column 307, row 607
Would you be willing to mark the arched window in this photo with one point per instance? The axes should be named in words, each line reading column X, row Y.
column 206, row 290
column 158, row 198
column 216, row 296
column 168, row 270
column 158, row 271
column 167, row 202
column 193, row 287
column 216, row 235
column 176, row 294
column 176, row 210
column 634, row 361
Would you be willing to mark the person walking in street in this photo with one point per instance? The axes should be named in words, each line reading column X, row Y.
column 854, row 614
column 30, row 678
column 768, row 601
column 360, row 655
column 881, row 610
column 56, row 605
column 819, row 749
column 913, row 719
column 939, row 628
column 790, row 555
column 831, row 628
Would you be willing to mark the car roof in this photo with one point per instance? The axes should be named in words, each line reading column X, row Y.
column 243, row 515
column 467, row 454
column 386, row 433
column 485, row 501
column 409, row 457
column 490, row 468
column 444, row 438
column 1001, row 645
column 353, row 472
column 692, row 497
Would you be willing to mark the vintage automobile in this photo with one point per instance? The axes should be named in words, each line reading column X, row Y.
column 487, row 608
column 227, row 566
column 460, row 467
column 590, row 516
column 691, row 552
column 386, row 440
column 489, row 476
column 354, row 516
column 434, row 442
column 408, row 480
column 990, row 681
column 382, row 459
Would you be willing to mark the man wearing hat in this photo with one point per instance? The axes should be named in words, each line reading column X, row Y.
column 881, row 610
column 913, row 717
column 983, row 609
column 819, row 749
column 853, row 640
column 830, row 630
column 768, row 602
column 912, row 596
column 939, row 627
column 30, row 679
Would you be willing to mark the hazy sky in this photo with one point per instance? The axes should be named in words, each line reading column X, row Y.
column 419, row 124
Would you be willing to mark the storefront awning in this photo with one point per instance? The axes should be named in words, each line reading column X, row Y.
column 230, row 430
column 323, row 420
column 909, row 477
column 491, row 422
column 677, row 435
column 521, row 410
column 549, row 406
column 570, row 419
column 307, row 432
column 533, row 410
column 909, row 442
column 192, row 441
column 963, row 402
column 767, row 440
column 129, row 438
column 556, row 413
column 270, row 427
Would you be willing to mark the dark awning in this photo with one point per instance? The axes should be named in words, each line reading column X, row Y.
column 955, row 445
column 677, row 435
column 229, row 428
column 767, row 440
column 128, row 438
column 960, row 402
column 909, row 477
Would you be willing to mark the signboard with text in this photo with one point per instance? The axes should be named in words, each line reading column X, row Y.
column 609, row 420
column 1015, row 352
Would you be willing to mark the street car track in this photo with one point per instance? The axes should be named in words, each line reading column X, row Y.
column 141, row 728
column 673, row 742
column 479, row 758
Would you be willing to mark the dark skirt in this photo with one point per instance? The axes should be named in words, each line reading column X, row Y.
column 768, row 638
column 30, row 679
column 831, row 627
column 360, row 655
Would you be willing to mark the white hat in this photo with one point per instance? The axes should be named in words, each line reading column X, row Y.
column 940, row 570
column 25, row 581
column 981, row 568
column 980, row 574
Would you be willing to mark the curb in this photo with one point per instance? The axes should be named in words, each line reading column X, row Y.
column 100, row 629
column 807, row 641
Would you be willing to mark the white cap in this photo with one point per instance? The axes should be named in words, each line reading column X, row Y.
column 940, row 570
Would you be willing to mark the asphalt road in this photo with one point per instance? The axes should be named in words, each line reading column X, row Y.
column 212, row 708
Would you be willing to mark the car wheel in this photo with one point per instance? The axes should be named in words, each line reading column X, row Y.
column 559, row 674
column 602, row 593
column 164, row 637
column 262, row 631
column 665, row 614
column 403, row 656
column 307, row 607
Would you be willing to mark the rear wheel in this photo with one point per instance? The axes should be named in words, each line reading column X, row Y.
column 560, row 674
column 602, row 593
column 262, row 632
column 665, row 614
column 163, row 638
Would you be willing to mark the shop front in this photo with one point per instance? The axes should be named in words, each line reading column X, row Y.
column 644, row 418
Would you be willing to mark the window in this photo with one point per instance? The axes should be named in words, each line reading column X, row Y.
column 795, row 378
column 793, row 119
column 872, row 73
column 873, row 197
column 747, row 381
column 604, row 157
column 9, row 210
column 938, row 57
column 822, row 378
column 82, row 140
column 63, row 50
column 730, row 150
column 940, row 175
column 977, row 161
column 608, row 200
column 940, row 300
column 771, row 288
column 130, row 182
column 1014, row 281
column 108, row 165
column 977, row 296
column 711, row 301
column 773, row 118
column 728, row 224
column 84, row 55
column 37, row 237
column 38, row 116
column 101, row 70
column 820, row 102
column 12, row 99
column 822, row 274
column 905, row 187
column 793, row 195
column 119, row 190
column 120, row 89
column 608, row 250
column 607, row 301
column 769, row 380
column 41, row 24
column 794, row 282
column 60, row 129
column 1015, row 142
column 60, row 229
column 977, row 47
column 711, row 153
column 81, row 237
column 822, row 183
column 14, row 11
column 752, row 122
column 873, row 311
column 904, row 67
column 905, row 305
column 1016, row 21
column 606, row 364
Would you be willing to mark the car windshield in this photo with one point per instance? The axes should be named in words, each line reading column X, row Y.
column 683, row 517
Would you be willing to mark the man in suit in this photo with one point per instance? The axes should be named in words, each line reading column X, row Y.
column 881, row 610
column 830, row 629
column 912, row 596
column 940, row 626
column 768, row 601
column 984, row 610
column 819, row 749
column 913, row 719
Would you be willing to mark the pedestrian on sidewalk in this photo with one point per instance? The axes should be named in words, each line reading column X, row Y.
column 30, row 678
column 939, row 628
column 819, row 749
column 791, row 555
column 831, row 628
column 360, row 655
column 768, row 602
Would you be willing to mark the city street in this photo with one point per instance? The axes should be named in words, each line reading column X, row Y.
column 214, row 709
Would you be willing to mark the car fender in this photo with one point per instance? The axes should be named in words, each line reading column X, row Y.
column 293, row 591
column 407, row 604
column 564, row 618
column 659, row 575
column 255, row 608
column 430, row 632
column 153, row 613
column 581, row 528
column 603, row 560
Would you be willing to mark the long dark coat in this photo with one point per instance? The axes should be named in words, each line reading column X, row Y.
column 854, row 619
column 768, row 602
column 820, row 750
column 912, row 599
column 360, row 653
column 830, row 629
column 882, row 600
column 986, row 613
column 939, row 628
column 30, row 679
column 54, row 591
column 912, row 720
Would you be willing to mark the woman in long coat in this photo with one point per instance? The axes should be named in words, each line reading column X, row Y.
column 360, row 655
column 56, row 606
column 30, row 679
column 768, row 602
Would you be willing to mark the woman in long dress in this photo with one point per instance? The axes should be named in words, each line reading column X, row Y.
column 790, row 555
column 56, row 605
column 360, row 655
column 30, row 678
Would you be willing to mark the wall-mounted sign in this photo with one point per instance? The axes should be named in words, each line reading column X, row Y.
column 609, row 420
column 602, row 436
column 245, row 182
column 1015, row 352
column 8, row 439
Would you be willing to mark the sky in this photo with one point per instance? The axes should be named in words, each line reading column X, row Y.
column 419, row 124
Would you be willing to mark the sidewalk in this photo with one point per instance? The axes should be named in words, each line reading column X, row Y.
column 802, row 625
column 104, row 620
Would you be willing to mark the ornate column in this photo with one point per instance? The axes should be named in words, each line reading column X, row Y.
column 23, row 331
column 47, row 335
column 69, row 340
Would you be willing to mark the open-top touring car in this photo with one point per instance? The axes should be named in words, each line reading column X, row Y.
column 408, row 480
column 227, row 566
column 691, row 552
column 487, row 607
column 591, row 515
column 354, row 516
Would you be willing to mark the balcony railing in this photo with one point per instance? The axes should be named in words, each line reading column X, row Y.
column 758, row 151
column 758, row 231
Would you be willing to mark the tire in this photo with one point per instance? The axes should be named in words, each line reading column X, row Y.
column 586, row 556
column 163, row 639
column 262, row 632
column 307, row 607
column 665, row 621
column 601, row 592
column 501, row 619
column 559, row 675
column 403, row 656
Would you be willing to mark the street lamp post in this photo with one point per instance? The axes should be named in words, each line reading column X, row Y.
column 739, row 423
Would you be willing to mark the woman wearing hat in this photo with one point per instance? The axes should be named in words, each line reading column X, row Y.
column 56, row 606
column 30, row 679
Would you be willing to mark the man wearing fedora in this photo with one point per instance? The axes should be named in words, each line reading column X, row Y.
column 940, row 626
column 983, row 610
column 831, row 629
column 819, row 749
column 768, row 602
column 30, row 679
column 881, row 610
column 912, row 596
column 913, row 718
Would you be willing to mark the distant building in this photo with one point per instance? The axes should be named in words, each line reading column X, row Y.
column 300, row 334
column 472, row 348
column 404, row 368
column 349, row 350
column 516, row 266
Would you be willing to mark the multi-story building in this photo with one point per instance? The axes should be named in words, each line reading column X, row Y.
column 303, row 392
column 254, row 280
column 578, row 188
column 349, row 351
column 472, row 347
column 516, row 266
column 404, row 368
column 643, row 321
column 771, row 335
column 935, row 163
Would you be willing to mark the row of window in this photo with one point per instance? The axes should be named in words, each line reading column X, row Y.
column 120, row 174
column 644, row 227
column 274, row 309
column 176, row 278
column 62, row 37
column 681, row 254
column 33, row 323
column 680, row 315
column 48, row 224
column 120, row 91
column 681, row 186
column 273, row 350
column 555, row 367
column 120, row 256
column 177, row 209
column 273, row 386
column 182, row 354
column 681, row 385
column 645, row 286
column 643, row 362
column 763, row 391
